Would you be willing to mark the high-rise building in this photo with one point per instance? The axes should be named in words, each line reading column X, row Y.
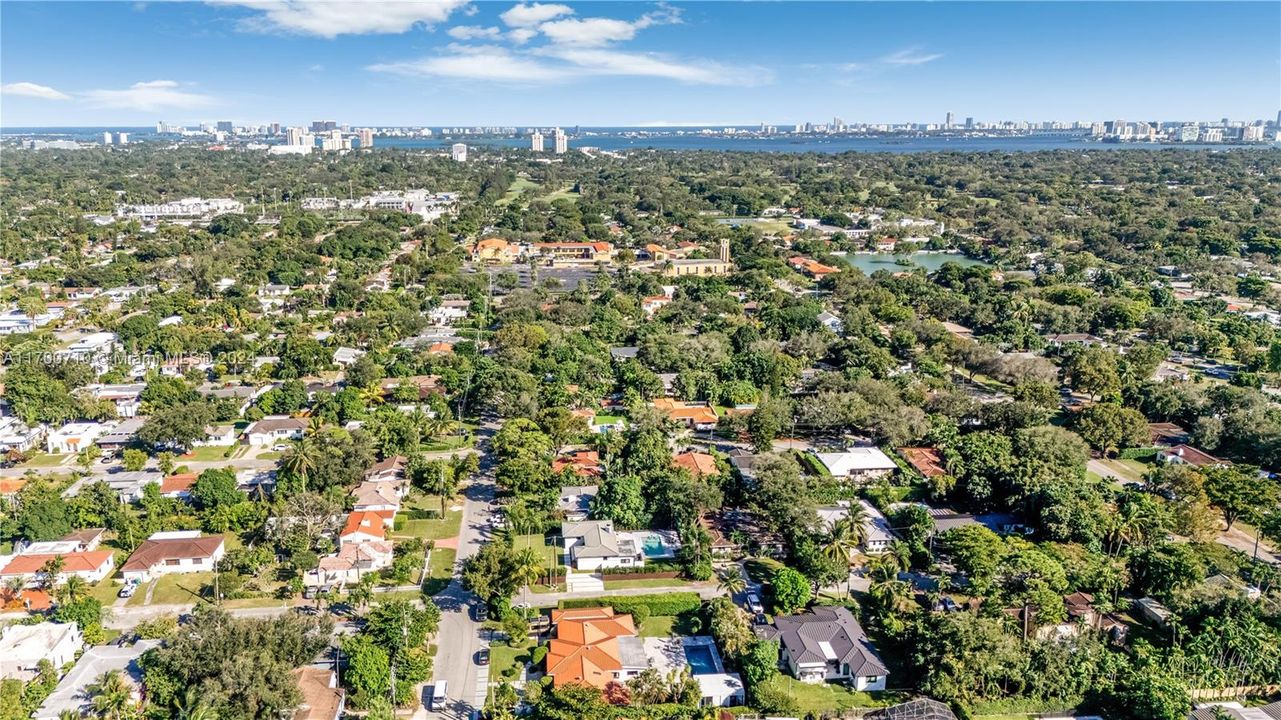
column 562, row 142
column 1252, row 133
column 969, row 123
column 320, row 126
column 947, row 124
column 275, row 128
column 293, row 136
column 366, row 138
column 458, row 152
column 536, row 142
column 160, row 127
column 122, row 138
column 225, row 126
column 106, row 138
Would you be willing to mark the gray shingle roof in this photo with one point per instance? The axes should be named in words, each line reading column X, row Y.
column 803, row 636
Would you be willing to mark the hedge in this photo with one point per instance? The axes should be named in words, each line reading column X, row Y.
column 1139, row 453
column 665, row 604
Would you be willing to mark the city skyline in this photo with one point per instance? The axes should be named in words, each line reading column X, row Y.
column 633, row 64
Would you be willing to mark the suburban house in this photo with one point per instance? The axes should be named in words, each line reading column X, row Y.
column 595, row 647
column 74, row 437
column 736, row 532
column 495, row 250
column 1165, row 434
column 352, row 561
column 449, row 311
column 391, row 469
column 594, row 545
column 166, row 553
column 121, row 436
column 696, row 416
column 72, row 694
column 322, row 698
column 363, row 527
column 857, row 464
column 673, row 655
column 1188, row 455
column 583, row 463
column 16, row 435
column 129, row 485
column 219, row 435
column 378, row 497
column 178, row 486
column 827, row 643
column 274, row 429
column 92, row 566
column 575, row 501
column 346, row 356
column 22, row 647
column 126, row 398
column 925, row 460
column 876, row 529
column 697, row 463
column 1232, row 710
column 93, row 349
column 831, row 322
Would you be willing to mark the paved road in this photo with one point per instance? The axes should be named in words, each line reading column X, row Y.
column 461, row 637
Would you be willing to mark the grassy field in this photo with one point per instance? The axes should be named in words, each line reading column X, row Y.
column 213, row 453
column 666, row 626
column 642, row 583
column 565, row 193
column 177, row 589
column 106, row 590
column 440, row 568
column 421, row 525
column 505, row 661
column 447, row 443
column 826, row 696
column 518, row 187
column 45, row 460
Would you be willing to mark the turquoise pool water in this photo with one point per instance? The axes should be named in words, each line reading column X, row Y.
column 701, row 659
column 653, row 546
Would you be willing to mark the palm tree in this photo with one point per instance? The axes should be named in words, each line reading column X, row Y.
column 301, row 460
column 444, row 482
column 528, row 568
column 363, row 592
column 314, row 426
column 69, row 715
column 844, row 540
column 372, row 394
column 112, row 696
column 193, row 707
column 72, row 590
column 730, row 580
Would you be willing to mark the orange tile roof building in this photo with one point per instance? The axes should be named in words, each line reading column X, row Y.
column 699, row 464
column 595, row 647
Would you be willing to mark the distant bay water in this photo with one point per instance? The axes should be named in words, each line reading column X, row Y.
column 621, row 139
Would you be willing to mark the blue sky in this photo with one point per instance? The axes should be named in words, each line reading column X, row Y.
column 455, row 62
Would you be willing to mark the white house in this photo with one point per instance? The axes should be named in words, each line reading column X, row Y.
column 22, row 647
column 828, row 644
column 857, row 464
column 94, row 349
column 449, row 312
column 379, row 496
column 878, row 536
column 593, row 545
column 274, row 429
column 346, row 356
column 92, row 566
column 17, row 435
column 166, row 553
column 126, row 398
column 831, row 322
column 74, row 437
column 350, row 563
column 72, row 693
column 217, row 436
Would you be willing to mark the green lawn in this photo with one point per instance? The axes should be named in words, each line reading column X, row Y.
column 421, row 518
column 212, row 453
column 642, row 583
column 657, row 626
column 828, row 697
column 176, row 589
column 447, row 443
column 565, row 193
column 440, row 568
column 505, row 662
column 45, row 460
column 761, row 569
column 519, row 186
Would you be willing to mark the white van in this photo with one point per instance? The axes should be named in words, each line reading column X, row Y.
column 439, row 695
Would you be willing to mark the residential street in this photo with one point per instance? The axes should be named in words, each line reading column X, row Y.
column 460, row 636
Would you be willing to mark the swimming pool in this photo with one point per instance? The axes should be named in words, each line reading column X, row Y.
column 701, row 659
column 654, row 547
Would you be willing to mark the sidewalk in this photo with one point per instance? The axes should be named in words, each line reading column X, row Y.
column 707, row 591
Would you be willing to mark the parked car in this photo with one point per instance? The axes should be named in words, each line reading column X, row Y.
column 754, row 604
column 481, row 613
column 127, row 591
column 482, row 656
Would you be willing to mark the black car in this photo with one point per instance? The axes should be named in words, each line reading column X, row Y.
column 482, row 656
column 481, row 613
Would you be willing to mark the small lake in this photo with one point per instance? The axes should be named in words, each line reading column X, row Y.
column 871, row 262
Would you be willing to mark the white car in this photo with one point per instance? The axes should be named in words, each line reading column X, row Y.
column 754, row 604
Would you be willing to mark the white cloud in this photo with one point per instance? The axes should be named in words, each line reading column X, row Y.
column 28, row 89
column 331, row 18
column 560, row 64
column 487, row 62
column 532, row 14
column 595, row 32
column 474, row 32
column 699, row 72
column 910, row 56
column 149, row 96
column 520, row 36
